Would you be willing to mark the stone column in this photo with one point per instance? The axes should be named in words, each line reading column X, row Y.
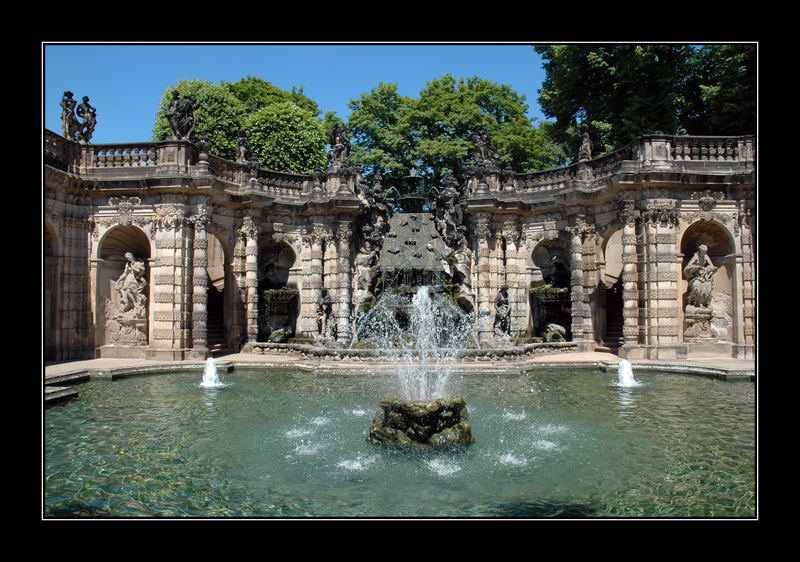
column 514, row 278
column 344, row 235
column 748, row 283
column 168, row 282
column 630, row 288
column 73, row 287
column 200, row 283
column 250, row 232
column 239, row 268
column 659, row 220
column 576, row 284
column 484, row 315
column 313, row 244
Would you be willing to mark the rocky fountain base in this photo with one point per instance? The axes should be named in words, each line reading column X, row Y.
column 440, row 422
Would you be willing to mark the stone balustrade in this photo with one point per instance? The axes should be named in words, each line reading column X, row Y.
column 644, row 151
column 123, row 155
column 661, row 151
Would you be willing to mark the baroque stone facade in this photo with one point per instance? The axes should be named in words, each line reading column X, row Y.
column 163, row 250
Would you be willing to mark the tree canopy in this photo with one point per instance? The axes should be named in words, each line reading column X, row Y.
column 433, row 132
column 286, row 132
column 627, row 90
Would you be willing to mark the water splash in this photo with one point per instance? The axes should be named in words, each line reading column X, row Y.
column 426, row 336
column 625, row 374
column 210, row 375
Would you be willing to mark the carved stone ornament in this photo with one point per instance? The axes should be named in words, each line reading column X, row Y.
column 707, row 199
column 126, row 310
column 124, row 207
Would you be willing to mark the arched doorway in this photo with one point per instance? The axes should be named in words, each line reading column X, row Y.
column 219, row 319
column 122, row 298
column 278, row 295
column 706, row 291
column 611, row 291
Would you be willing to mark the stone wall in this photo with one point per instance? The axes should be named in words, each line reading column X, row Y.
column 638, row 211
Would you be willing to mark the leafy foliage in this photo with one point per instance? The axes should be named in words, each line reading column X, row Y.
column 219, row 114
column 624, row 91
column 433, row 133
column 286, row 137
column 286, row 134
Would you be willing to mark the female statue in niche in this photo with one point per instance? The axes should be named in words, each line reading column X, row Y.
column 131, row 286
column 699, row 272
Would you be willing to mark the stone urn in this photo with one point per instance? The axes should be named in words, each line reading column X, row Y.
column 438, row 423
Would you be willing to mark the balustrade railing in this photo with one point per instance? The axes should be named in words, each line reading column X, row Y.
column 124, row 155
column 73, row 156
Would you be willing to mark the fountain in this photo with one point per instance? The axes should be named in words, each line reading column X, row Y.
column 425, row 337
column 625, row 374
column 210, row 375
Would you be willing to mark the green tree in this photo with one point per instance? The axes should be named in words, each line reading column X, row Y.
column 433, row 133
column 256, row 93
column 286, row 134
column 288, row 138
column 219, row 114
column 620, row 91
column 721, row 91
column 627, row 90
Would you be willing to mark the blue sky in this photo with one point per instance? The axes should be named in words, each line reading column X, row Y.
column 125, row 82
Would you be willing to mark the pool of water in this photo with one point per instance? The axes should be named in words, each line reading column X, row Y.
column 292, row 444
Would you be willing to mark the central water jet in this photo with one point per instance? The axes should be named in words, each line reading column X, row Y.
column 435, row 330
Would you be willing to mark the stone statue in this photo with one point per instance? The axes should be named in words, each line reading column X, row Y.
column 126, row 321
column 484, row 152
column 325, row 328
column 242, row 150
column 180, row 115
column 340, row 146
column 69, row 123
column 585, row 151
column 89, row 116
column 131, row 286
column 699, row 272
column 502, row 313
column 698, row 314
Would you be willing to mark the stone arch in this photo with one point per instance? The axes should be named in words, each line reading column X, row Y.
column 608, row 318
column 122, row 287
column 709, row 306
column 549, row 289
column 278, row 291
column 51, row 304
column 222, row 296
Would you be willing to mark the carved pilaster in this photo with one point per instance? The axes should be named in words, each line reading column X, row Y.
column 201, row 220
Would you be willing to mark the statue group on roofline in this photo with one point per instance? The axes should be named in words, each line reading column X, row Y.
column 71, row 110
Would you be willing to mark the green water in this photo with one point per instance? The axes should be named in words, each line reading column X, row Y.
column 291, row 444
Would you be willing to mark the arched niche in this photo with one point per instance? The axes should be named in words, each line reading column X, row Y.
column 278, row 294
column 122, row 298
column 549, row 293
column 709, row 302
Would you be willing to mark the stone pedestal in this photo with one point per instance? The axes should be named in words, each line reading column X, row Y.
column 438, row 422
column 697, row 324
